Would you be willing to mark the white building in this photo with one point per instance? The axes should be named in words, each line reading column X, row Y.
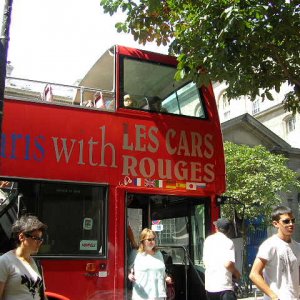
column 269, row 113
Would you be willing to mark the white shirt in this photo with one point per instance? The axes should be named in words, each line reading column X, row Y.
column 22, row 280
column 149, row 272
column 217, row 251
column 282, row 269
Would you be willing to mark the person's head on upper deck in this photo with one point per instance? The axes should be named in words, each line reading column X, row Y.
column 128, row 102
column 155, row 104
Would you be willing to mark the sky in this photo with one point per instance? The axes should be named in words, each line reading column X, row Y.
column 59, row 40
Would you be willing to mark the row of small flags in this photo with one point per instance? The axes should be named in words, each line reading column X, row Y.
column 168, row 184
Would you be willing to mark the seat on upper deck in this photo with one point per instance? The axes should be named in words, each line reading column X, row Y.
column 47, row 94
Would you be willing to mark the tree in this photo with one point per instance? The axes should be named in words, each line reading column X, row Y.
column 251, row 45
column 257, row 178
column 256, row 182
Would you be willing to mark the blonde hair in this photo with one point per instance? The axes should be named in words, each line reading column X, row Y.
column 143, row 236
column 133, row 102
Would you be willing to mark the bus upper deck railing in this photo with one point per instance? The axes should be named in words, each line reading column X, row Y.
column 61, row 94
column 186, row 101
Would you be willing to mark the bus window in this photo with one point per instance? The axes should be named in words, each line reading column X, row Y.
column 85, row 219
column 151, row 86
column 185, row 101
column 80, row 208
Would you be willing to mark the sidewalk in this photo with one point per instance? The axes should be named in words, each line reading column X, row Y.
column 258, row 295
column 252, row 298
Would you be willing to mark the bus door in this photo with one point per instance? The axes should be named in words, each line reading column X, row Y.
column 181, row 224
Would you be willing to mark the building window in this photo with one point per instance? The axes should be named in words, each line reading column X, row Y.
column 255, row 106
column 226, row 103
column 226, row 107
column 290, row 124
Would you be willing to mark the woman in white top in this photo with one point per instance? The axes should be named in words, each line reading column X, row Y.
column 19, row 275
column 148, row 273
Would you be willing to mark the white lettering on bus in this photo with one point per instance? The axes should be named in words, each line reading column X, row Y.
column 209, row 148
column 91, row 151
column 80, row 159
column 103, row 147
column 142, row 140
column 183, row 145
column 164, row 168
column 153, row 148
column 126, row 145
column 129, row 165
column 147, row 167
column 98, row 152
column 170, row 134
column 195, row 147
column 195, row 170
column 65, row 149
column 196, row 144
column 180, row 170
column 209, row 173
column 140, row 137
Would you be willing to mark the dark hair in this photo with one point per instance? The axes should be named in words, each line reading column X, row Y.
column 280, row 210
column 224, row 230
column 223, row 225
column 26, row 224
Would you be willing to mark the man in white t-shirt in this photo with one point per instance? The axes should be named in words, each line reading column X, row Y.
column 219, row 261
column 275, row 270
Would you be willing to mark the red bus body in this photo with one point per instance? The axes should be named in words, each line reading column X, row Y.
column 126, row 152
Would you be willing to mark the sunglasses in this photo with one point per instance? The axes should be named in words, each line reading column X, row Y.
column 288, row 221
column 36, row 238
column 150, row 240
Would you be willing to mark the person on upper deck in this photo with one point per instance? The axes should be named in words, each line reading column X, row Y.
column 100, row 102
column 155, row 104
column 128, row 102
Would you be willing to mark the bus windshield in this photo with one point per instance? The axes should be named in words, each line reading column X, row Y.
column 151, row 86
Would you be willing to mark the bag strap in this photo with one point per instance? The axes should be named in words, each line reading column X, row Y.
column 42, row 288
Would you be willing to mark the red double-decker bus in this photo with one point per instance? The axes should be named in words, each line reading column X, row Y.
column 128, row 147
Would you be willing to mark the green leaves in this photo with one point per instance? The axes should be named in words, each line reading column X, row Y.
column 251, row 45
column 257, row 178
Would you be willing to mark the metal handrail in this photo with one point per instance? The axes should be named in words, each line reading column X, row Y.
column 65, row 99
column 11, row 199
column 58, row 84
column 186, row 260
